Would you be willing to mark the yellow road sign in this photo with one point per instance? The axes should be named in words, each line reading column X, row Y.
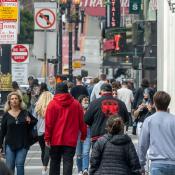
column 76, row 64
column 8, row 13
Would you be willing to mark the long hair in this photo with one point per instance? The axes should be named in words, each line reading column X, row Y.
column 7, row 106
column 42, row 103
column 115, row 125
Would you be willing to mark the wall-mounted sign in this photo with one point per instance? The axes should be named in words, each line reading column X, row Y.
column 93, row 7
column 115, row 13
column 135, row 6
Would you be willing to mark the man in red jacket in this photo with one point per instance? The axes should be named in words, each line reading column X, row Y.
column 63, row 122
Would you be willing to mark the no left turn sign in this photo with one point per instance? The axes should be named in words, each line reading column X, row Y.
column 45, row 19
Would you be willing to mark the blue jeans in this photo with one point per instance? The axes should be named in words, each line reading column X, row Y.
column 82, row 152
column 162, row 169
column 16, row 158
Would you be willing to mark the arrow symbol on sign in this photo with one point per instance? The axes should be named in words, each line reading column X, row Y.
column 46, row 18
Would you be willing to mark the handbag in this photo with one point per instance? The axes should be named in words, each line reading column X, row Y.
column 33, row 134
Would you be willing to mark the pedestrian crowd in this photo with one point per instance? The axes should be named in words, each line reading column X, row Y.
column 90, row 122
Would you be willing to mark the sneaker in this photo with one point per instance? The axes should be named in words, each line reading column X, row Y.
column 44, row 172
column 85, row 172
column 80, row 173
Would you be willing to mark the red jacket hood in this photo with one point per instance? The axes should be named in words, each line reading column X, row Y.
column 63, row 99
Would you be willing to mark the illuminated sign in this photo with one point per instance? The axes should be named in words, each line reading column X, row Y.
column 115, row 13
column 117, row 43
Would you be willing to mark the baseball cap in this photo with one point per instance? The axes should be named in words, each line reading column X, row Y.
column 106, row 87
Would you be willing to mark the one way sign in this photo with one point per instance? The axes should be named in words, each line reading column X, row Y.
column 45, row 18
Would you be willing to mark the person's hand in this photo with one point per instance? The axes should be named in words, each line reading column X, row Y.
column 47, row 144
column 141, row 107
column 149, row 106
column 28, row 119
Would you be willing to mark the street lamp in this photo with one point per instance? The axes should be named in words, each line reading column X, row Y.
column 60, row 65
column 82, row 20
column 76, row 3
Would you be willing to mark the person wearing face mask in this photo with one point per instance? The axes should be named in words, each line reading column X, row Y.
column 83, row 148
column 143, row 110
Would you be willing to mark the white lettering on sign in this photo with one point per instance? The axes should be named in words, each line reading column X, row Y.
column 93, row 3
column 100, row 3
column 124, row 3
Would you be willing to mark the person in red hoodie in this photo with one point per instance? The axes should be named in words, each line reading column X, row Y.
column 63, row 122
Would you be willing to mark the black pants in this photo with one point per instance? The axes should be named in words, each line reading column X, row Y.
column 56, row 153
column 44, row 151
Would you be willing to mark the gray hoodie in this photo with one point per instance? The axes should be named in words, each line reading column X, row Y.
column 158, row 134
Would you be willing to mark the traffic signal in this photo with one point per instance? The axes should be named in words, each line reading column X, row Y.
column 120, row 42
column 138, row 33
column 129, row 33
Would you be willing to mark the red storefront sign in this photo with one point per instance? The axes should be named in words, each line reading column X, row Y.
column 94, row 7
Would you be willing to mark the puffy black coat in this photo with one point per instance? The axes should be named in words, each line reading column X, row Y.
column 114, row 155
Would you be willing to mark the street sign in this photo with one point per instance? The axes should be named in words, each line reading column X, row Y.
column 8, row 10
column 39, row 45
column 135, row 6
column 5, row 82
column 8, row 32
column 20, row 53
column 8, row 21
column 20, row 73
column 45, row 18
column 76, row 64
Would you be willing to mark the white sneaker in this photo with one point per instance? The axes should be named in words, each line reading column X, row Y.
column 44, row 172
column 80, row 173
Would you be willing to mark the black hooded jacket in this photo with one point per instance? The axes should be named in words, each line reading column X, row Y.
column 96, row 115
column 114, row 155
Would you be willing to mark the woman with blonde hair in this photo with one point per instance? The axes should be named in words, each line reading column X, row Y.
column 51, row 84
column 40, row 109
column 15, row 128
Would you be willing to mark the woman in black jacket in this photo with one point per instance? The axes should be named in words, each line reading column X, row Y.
column 114, row 153
column 16, row 128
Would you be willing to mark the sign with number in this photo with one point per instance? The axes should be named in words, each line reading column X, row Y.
column 135, row 6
